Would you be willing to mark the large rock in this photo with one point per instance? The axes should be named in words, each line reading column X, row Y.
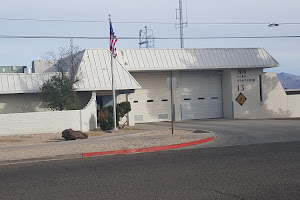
column 70, row 134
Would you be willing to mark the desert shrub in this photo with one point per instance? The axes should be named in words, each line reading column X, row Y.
column 105, row 115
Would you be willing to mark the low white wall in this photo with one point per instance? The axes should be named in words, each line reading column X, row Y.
column 50, row 122
column 21, row 103
column 294, row 105
column 274, row 97
column 32, row 102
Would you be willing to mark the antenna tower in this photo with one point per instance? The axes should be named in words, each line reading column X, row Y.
column 181, row 25
column 146, row 38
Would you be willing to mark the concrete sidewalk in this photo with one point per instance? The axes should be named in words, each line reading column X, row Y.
column 53, row 146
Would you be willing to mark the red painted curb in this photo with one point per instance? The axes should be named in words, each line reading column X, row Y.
column 148, row 149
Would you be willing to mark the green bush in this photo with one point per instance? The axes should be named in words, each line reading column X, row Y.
column 59, row 93
column 106, row 115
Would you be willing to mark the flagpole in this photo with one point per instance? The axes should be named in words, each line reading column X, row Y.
column 113, row 83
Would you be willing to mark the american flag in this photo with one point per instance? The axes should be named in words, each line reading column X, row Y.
column 113, row 40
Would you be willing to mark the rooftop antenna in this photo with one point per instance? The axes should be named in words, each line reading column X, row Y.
column 181, row 25
column 146, row 38
column 71, row 43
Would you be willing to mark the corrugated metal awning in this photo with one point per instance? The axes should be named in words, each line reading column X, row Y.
column 22, row 83
column 95, row 74
column 95, row 67
column 184, row 59
column 95, row 70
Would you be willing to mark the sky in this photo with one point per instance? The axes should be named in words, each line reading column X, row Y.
column 260, row 12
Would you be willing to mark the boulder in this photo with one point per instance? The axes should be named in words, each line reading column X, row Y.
column 70, row 134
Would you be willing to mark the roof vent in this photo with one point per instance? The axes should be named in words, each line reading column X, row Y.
column 28, row 70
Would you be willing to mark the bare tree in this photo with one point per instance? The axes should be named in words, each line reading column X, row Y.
column 59, row 91
column 67, row 61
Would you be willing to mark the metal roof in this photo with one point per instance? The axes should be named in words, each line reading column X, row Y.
column 95, row 73
column 22, row 83
column 95, row 70
column 183, row 59
column 95, row 67
column 12, row 69
column 292, row 91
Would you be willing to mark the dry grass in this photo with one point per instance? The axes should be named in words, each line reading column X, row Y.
column 132, row 128
column 25, row 136
column 95, row 133
column 15, row 139
column 11, row 140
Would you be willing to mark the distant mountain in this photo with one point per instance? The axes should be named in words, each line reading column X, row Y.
column 289, row 81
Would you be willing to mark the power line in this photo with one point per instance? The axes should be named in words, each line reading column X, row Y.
column 240, row 23
column 144, row 22
column 52, row 20
column 82, row 21
column 136, row 38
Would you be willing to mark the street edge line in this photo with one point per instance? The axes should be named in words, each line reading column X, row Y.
column 148, row 149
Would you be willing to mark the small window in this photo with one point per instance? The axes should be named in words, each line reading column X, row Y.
column 187, row 99
column 149, row 100
column 135, row 101
column 164, row 100
column 201, row 98
column 260, row 89
column 215, row 98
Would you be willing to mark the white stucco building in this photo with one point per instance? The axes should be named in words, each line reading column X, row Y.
column 207, row 83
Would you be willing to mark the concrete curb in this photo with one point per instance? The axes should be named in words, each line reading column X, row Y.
column 42, row 159
column 148, row 149
column 91, row 154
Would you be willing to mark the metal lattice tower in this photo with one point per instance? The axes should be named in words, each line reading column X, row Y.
column 146, row 38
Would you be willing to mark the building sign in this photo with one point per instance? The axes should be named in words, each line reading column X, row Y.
column 241, row 99
column 242, row 76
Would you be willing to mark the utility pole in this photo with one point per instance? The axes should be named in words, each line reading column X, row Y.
column 172, row 104
column 181, row 25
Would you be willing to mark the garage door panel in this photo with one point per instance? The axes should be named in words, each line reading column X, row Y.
column 197, row 92
column 199, row 113
column 153, row 93
column 154, row 88
column 203, row 88
column 201, row 95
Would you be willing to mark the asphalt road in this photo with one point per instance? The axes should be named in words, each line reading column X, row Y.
column 261, row 171
column 231, row 132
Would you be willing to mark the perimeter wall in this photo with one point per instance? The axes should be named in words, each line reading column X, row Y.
column 50, row 122
column 294, row 105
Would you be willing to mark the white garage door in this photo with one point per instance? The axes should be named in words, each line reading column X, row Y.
column 201, row 95
column 152, row 103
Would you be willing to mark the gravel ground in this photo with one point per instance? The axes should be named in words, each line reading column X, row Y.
column 51, row 145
